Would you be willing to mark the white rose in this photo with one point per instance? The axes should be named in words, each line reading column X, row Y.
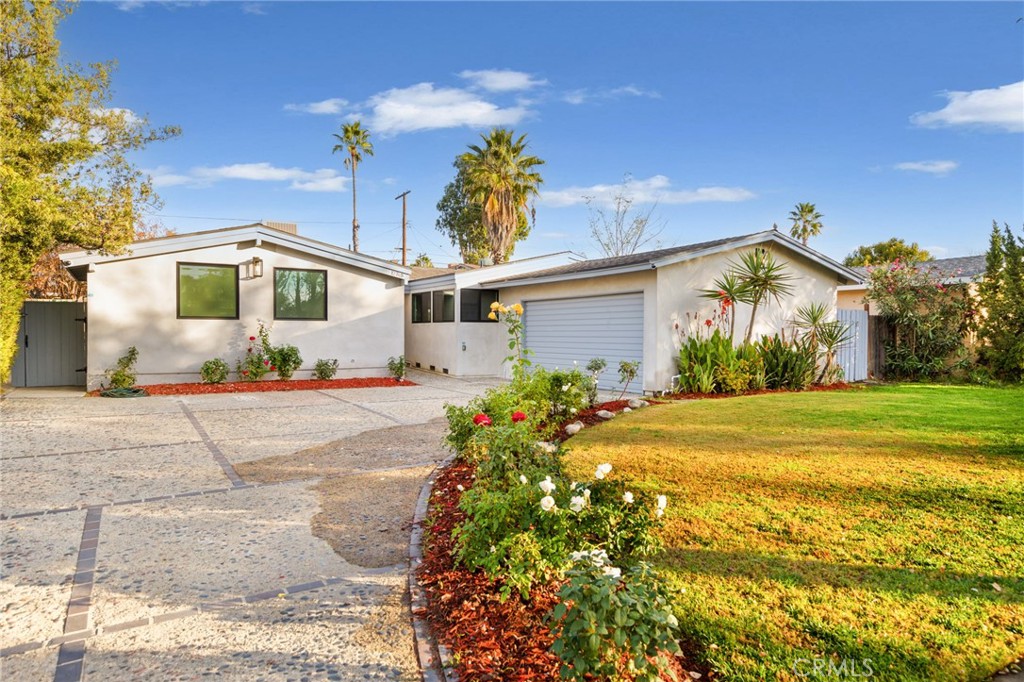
column 547, row 486
column 586, row 494
column 547, row 503
column 565, row 387
column 602, row 471
column 573, row 410
column 628, row 498
column 523, row 479
column 612, row 572
column 662, row 502
column 659, row 513
column 577, row 503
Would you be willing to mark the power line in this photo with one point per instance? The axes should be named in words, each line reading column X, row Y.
column 256, row 220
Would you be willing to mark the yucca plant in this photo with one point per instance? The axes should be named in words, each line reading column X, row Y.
column 831, row 337
column 761, row 278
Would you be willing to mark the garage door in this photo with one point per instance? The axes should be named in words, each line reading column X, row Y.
column 577, row 329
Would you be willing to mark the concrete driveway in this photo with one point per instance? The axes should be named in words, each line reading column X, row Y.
column 132, row 549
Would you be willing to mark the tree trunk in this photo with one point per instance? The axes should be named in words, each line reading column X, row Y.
column 355, row 221
column 753, row 316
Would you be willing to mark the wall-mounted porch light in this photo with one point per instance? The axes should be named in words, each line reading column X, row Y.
column 256, row 267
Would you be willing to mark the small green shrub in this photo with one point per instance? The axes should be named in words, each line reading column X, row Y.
column 122, row 375
column 325, row 369
column 596, row 367
column 285, row 360
column 214, row 371
column 396, row 367
column 627, row 372
column 788, row 364
column 609, row 624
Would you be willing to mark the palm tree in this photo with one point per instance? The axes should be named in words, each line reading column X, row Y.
column 761, row 278
column 354, row 141
column 806, row 222
column 500, row 177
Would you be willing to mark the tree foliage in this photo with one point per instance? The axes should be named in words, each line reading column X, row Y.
column 1001, row 298
column 65, row 177
column 761, row 279
column 806, row 222
column 618, row 232
column 887, row 252
column 423, row 261
column 353, row 141
column 501, row 177
column 929, row 315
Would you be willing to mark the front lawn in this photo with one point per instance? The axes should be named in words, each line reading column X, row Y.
column 881, row 528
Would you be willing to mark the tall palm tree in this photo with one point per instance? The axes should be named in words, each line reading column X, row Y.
column 354, row 141
column 761, row 278
column 500, row 176
column 806, row 222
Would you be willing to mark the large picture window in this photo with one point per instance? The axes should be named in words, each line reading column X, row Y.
column 421, row 307
column 300, row 294
column 444, row 306
column 207, row 291
column 476, row 304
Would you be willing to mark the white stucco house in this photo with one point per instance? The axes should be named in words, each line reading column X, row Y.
column 622, row 308
column 184, row 299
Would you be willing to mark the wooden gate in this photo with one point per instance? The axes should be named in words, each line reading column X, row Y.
column 853, row 355
column 51, row 345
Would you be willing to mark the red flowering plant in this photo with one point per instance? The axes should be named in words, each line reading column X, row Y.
column 255, row 364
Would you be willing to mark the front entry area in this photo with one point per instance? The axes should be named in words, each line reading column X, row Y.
column 51, row 345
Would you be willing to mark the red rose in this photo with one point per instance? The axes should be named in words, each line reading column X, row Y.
column 273, row 369
column 266, row 362
column 245, row 373
column 482, row 420
column 518, row 417
column 252, row 338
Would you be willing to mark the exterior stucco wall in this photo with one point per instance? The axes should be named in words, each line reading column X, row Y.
column 853, row 299
column 429, row 343
column 679, row 288
column 598, row 286
column 134, row 302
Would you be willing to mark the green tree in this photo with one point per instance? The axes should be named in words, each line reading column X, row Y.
column 1001, row 297
column 806, row 222
column 887, row 252
column 65, row 178
column 500, row 176
column 423, row 261
column 354, row 141
column 761, row 278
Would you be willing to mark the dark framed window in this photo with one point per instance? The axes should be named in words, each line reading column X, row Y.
column 300, row 294
column 207, row 291
column 476, row 304
column 421, row 307
column 444, row 306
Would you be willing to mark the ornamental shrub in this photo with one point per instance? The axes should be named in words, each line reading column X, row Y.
column 1001, row 294
column 285, row 358
column 396, row 367
column 122, row 375
column 610, row 625
column 214, row 371
column 788, row 364
column 325, row 369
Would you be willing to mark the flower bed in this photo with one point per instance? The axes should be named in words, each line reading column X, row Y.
column 262, row 386
column 840, row 386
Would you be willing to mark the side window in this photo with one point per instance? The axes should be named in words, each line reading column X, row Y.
column 444, row 306
column 207, row 291
column 300, row 294
column 476, row 304
column 421, row 307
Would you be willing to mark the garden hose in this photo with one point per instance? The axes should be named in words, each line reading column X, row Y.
column 124, row 393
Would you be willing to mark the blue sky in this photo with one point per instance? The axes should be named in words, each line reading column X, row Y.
column 895, row 119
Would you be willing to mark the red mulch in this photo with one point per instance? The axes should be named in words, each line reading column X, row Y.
column 589, row 417
column 490, row 640
column 271, row 385
column 839, row 386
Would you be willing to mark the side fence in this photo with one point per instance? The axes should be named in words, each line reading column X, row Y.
column 853, row 356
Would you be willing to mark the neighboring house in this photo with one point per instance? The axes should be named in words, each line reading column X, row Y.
column 961, row 270
column 447, row 329
column 622, row 308
column 185, row 299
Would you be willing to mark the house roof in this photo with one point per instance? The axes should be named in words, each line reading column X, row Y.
column 468, row 278
column 958, row 269
column 654, row 259
column 422, row 272
column 258, row 232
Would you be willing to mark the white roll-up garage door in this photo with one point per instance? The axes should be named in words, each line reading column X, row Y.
column 564, row 330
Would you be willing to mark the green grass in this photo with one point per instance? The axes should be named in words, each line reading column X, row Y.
column 865, row 524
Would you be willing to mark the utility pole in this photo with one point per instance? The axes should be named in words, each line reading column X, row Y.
column 402, row 197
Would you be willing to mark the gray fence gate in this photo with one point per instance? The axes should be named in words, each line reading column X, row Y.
column 51, row 345
column 853, row 355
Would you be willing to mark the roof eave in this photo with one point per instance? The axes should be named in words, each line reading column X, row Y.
column 569, row 276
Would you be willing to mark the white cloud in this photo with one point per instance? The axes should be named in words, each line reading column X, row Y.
column 320, row 180
column 502, row 80
column 253, row 8
column 655, row 189
column 584, row 95
column 334, row 105
column 937, row 251
column 933, row 167
column 424, row 107
column 1001, row 108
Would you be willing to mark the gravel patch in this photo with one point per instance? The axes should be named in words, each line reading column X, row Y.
column 62, row 434
column 31, row 666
